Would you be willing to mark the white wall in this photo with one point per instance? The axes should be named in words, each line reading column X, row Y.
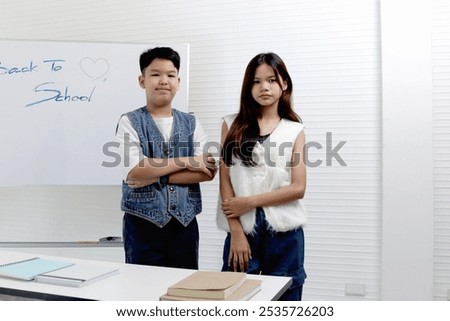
column 366, row 225
column 407, row 242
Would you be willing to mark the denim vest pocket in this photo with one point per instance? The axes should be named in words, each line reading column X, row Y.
column 144, row 196
column 143, row 200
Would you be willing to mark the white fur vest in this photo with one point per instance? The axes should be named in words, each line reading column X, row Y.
column 273, row 170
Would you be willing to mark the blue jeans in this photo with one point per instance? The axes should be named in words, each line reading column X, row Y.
column 275, row 253
column 172, row 245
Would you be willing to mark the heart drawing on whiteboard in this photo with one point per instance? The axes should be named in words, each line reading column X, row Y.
column 94, row 68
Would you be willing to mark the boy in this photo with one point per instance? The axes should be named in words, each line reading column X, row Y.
column 164, row 163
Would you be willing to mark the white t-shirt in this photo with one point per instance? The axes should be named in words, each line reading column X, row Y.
column 130, row 149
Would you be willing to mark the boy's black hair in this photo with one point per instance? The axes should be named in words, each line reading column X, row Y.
column 159, row 52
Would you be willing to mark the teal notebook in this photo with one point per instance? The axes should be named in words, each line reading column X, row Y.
column 28, row 269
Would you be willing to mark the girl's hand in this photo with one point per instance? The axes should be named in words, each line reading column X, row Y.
column 236, row 206
column 240, row 254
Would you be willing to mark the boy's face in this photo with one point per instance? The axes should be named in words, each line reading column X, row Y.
column 161, row 82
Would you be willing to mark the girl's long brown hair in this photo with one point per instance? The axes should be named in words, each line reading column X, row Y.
column 244, row 131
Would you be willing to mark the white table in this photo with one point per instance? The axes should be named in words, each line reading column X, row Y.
column 132, row 283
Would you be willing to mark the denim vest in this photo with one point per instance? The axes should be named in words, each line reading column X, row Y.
column 157, row 202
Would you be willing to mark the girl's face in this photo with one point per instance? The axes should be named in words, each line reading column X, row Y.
column 265, row 90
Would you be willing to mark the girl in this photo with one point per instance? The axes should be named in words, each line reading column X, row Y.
column 263, row 178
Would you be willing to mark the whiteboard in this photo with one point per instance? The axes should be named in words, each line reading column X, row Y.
column 60, row 104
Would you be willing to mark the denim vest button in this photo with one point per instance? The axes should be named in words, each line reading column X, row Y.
column 171, row 188
column 166, row 152
column 173, row 207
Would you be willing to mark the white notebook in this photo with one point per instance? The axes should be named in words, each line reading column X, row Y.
column 77, row 275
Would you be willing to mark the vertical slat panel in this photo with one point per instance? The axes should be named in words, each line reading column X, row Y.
column 441, row 139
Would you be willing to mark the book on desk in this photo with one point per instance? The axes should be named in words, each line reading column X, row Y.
column 77, row 275
column 28, row 268
column 55, row 272
column 211, row 285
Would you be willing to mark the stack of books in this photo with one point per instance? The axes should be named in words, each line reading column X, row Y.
column 211, row 285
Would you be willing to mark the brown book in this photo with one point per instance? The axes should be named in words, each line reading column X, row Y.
column 208, row 285
column 245, row 292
